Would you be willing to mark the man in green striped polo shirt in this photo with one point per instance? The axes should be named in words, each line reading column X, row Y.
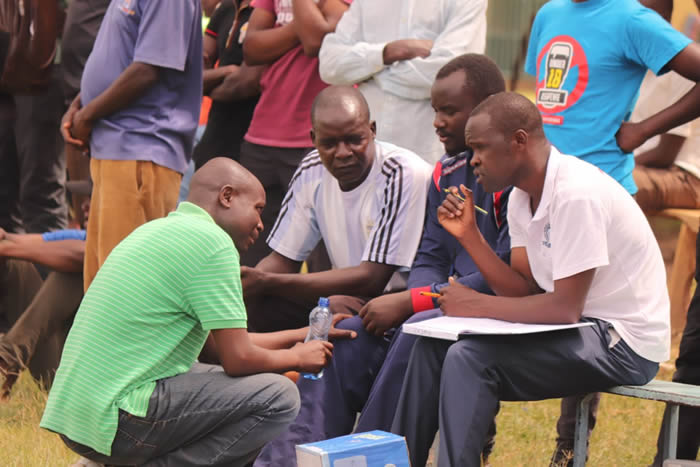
column 127, row 392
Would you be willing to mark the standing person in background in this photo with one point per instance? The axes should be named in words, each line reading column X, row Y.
column 32, row 164
column 137, row 112
column 286, row 35
column 589, row 58
column 233, row 86
column 83, row 19
column 393, row 50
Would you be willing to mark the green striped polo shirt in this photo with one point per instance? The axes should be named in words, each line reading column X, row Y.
column 144, row 318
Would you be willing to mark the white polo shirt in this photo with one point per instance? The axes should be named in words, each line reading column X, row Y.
column 586, row 220
column 380, row 221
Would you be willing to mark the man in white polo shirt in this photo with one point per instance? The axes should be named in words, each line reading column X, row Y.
column 581, row 249
column 364, row 198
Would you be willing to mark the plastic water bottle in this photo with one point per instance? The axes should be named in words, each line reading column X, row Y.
column 319, row 324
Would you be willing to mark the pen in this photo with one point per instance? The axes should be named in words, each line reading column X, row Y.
column 430, row 294
column 480, row 209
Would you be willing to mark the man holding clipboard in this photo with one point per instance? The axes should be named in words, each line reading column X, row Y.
column 580, row 249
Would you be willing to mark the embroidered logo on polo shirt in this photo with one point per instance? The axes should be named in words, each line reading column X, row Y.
column 546, row 242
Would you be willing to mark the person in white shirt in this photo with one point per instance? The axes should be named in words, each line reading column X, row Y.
column 581, row 249
column 667, row 167
column 364, row 198
column 393, row 49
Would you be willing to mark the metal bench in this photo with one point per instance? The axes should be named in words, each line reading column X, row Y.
column 673, row 394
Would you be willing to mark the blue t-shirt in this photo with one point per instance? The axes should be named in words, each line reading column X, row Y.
column 589, row 59
column 159, row 126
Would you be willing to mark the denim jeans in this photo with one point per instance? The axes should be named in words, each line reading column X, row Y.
column 202, row 417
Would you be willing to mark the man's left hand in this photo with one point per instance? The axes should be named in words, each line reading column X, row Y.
column 385, row 312
column 459, row 300
column 630, row 136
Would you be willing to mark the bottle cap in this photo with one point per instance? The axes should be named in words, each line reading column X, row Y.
column 323, row 301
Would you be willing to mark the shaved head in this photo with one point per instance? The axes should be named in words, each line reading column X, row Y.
column 510, row 111
column 337, row 99
column 232, row 196
column 214, row 175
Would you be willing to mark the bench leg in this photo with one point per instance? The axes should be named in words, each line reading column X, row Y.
column 671, row 432
column 581, row 433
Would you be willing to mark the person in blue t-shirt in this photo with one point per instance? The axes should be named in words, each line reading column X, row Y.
column 366, row 374
column 589, row 58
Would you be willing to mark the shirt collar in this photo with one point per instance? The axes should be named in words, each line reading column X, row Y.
column 548, row 187
column 190, row 209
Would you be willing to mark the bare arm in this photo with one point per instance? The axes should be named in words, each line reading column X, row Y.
column 562, row 306
column 516, row 280
column 312, row 22
column 662, row 155
column 240, row 353
column 213, row 77
column 242, row 83
column 687, row 64
column 209, row 51
column 131, row 84
column 277, row 275
column 62, row 255
column 264, row 43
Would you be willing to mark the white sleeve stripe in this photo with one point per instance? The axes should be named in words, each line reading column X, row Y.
column 379, row 249
column 305, row 164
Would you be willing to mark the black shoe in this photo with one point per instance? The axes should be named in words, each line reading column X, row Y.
column 563, row 456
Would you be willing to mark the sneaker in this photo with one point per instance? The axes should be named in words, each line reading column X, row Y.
column 85, row 462
column 11, row 365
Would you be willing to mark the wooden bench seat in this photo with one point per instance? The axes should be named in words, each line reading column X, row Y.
column 683, row 268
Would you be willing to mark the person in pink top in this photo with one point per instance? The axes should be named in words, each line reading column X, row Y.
column 287, row 35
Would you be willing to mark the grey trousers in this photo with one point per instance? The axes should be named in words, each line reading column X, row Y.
column 202, row 417
column 32, row 162
column 456, row 386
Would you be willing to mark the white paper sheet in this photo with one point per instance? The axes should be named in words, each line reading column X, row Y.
column 450, row 328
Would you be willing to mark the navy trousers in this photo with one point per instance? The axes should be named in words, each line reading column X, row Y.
column 457, row 386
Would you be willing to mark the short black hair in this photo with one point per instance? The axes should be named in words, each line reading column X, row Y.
column 483, row 78
column 509, row 112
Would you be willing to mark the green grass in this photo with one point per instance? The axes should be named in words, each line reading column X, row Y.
column 22, row 442
column 625, row 434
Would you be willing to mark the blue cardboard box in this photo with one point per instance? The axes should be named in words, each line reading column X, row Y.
column 371, row 449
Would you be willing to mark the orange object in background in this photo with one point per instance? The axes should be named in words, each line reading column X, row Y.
column 293, row 375
column 204, row 110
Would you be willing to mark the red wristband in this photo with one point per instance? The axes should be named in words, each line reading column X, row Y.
column 421, row 302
